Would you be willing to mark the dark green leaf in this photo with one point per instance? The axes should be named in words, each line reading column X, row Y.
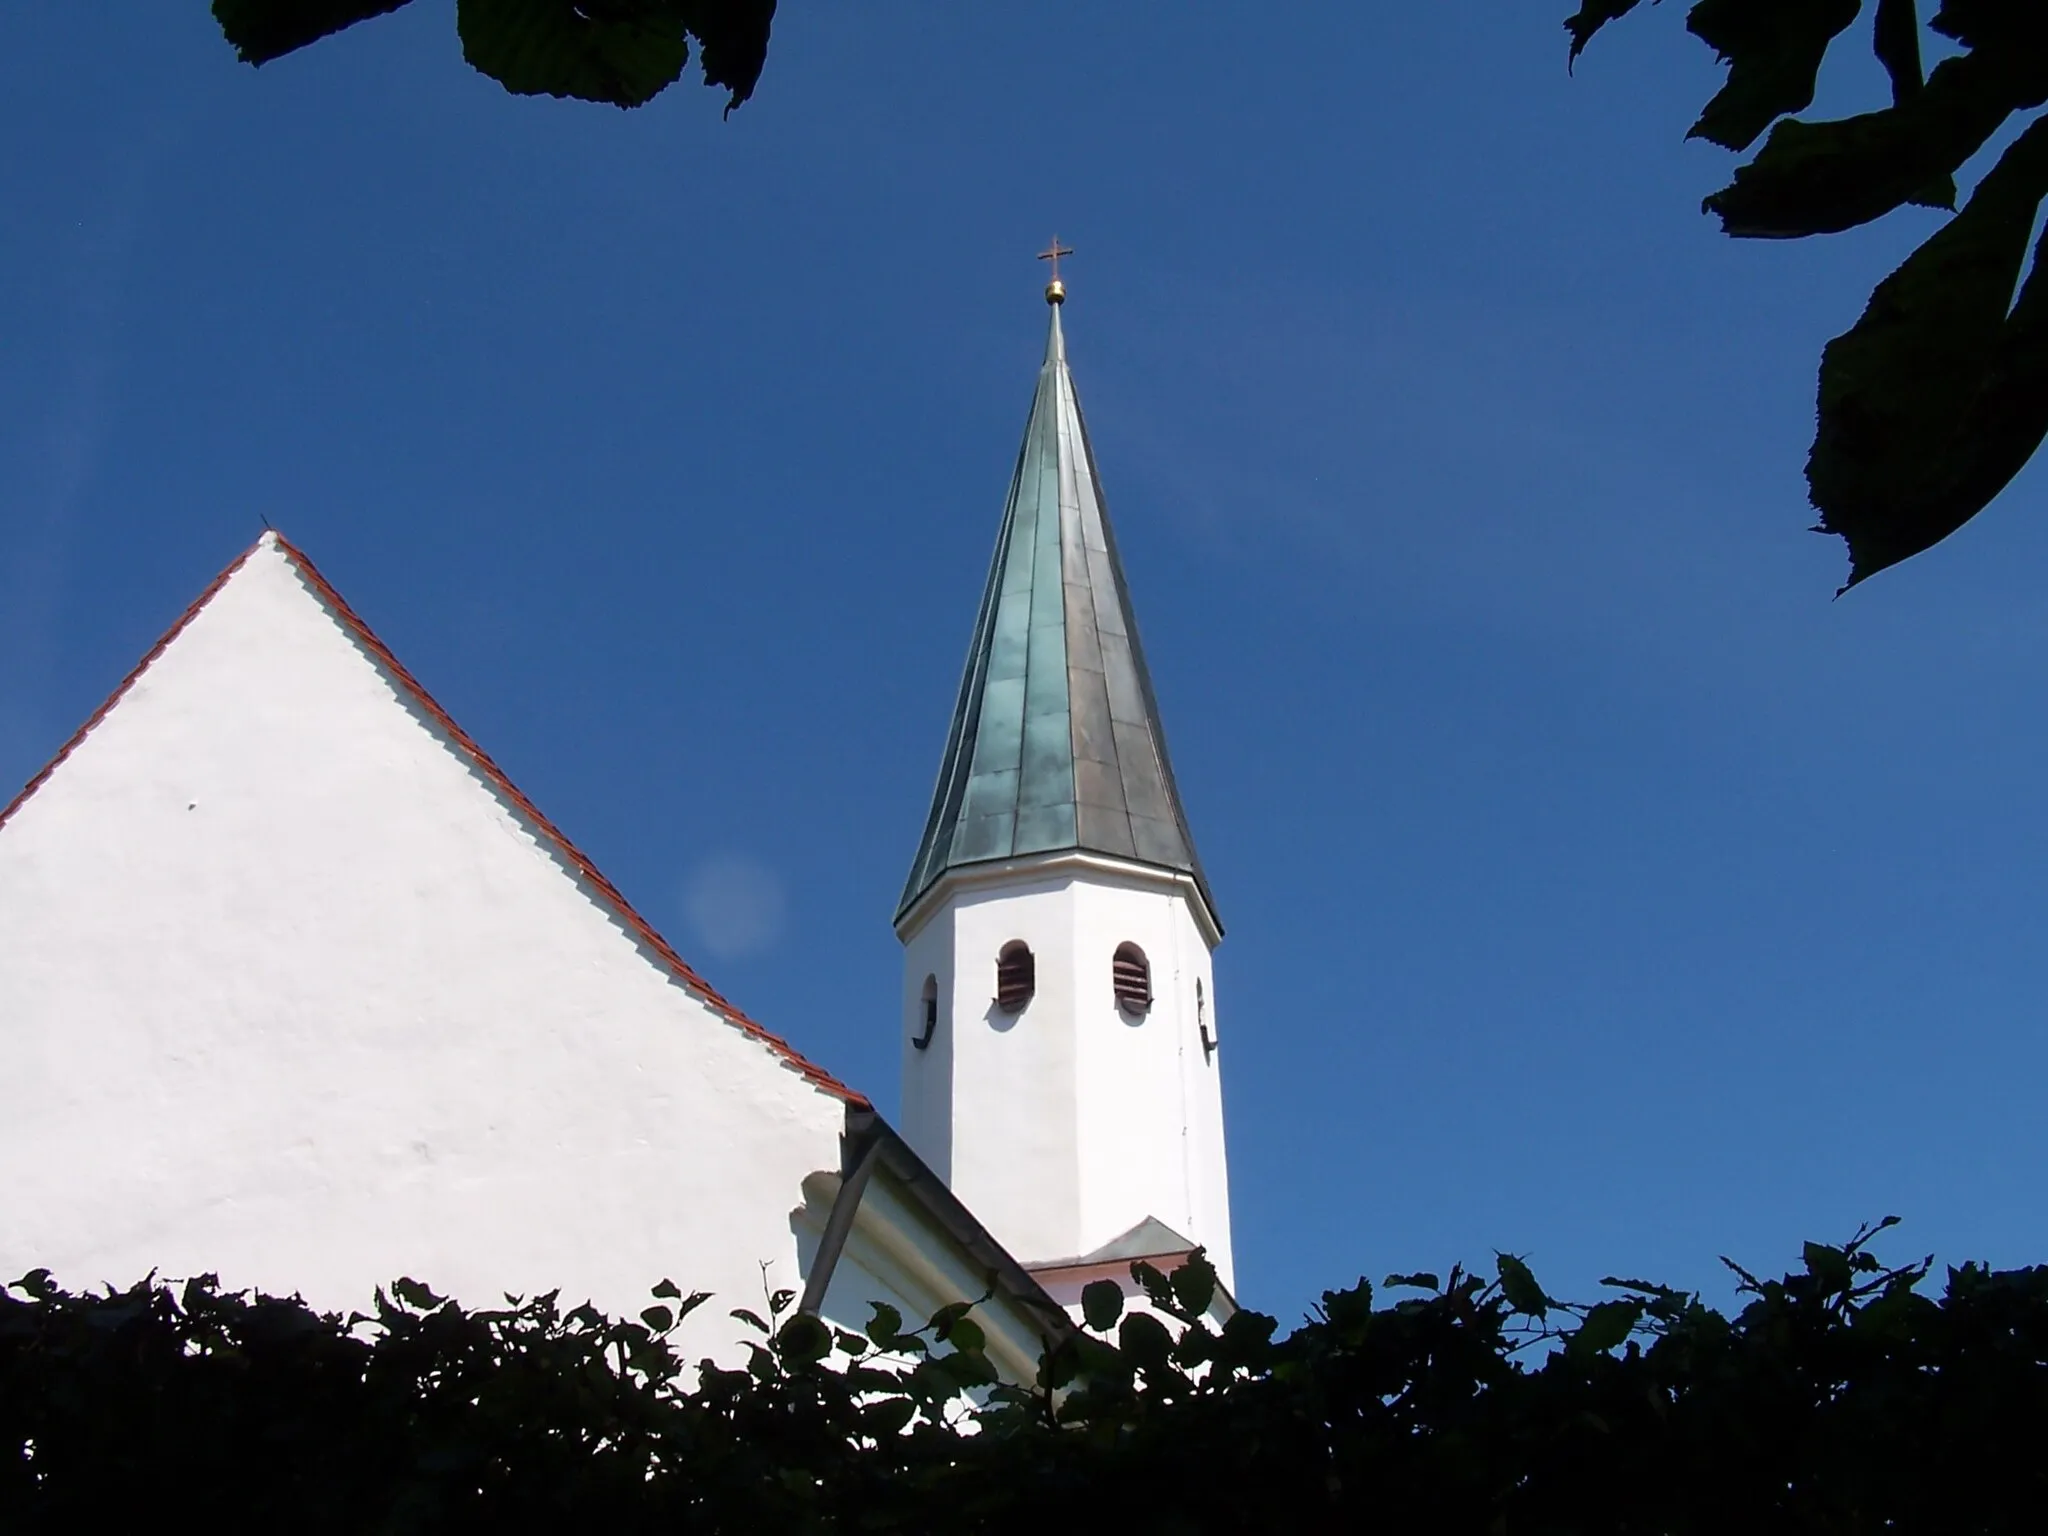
column 1895, row 39
column 885, row 1324
column 1773, row 50
column 1931, row 402
column 732, row 42
column 891, row 1416
column 412, row 1294
column 1590, row 17
column 660, row 1319
column 1102, row 1303
column 942, row 1321
column 1194, row 1283
column 803, row 1340
column 667, row 1290
column 1145, row 1341
column 622, row 52
column 1421, row 1280
column 751, row 1319
column 966, row 1334
column 1820, row 178
column 1519, row 1286
column 1829, row 1266
column 1158, row 1290
column 262, row 30
column 1605, row 1326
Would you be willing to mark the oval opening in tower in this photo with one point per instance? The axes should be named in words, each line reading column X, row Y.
column 1131, row 974
column 1016, row 976
column 928, row 1013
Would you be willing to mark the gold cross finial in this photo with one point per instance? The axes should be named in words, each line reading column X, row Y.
column 1055, row 291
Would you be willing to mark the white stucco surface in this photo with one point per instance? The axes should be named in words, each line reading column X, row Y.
column 1067, row 1124
column 293, row 992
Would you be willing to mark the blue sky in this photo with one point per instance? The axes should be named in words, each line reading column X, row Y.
column 1597, row 888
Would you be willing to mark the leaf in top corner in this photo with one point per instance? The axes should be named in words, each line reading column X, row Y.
column 1895, row 39
column 1934, row 400
column 732, row 42
column 1590, row 17
column 262, row 30
column 1773, row 49
column 1102, row 1303
column 621, row 52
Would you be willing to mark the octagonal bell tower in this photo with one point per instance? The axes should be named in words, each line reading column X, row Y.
column 1060, row 1062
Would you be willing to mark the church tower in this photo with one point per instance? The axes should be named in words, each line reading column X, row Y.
column 1060, row 1048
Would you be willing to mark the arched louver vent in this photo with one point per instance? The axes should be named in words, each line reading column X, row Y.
column 1131, row 975
column 1016, row 976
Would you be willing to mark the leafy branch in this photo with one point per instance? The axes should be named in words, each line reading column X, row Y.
column 1937, row 397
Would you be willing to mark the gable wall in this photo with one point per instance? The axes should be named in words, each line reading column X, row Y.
column 291, row 992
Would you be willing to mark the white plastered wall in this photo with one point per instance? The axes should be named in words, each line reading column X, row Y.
column 291, row 992
column 1067, row 1124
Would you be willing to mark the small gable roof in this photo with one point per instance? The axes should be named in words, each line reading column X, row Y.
column 606, row 893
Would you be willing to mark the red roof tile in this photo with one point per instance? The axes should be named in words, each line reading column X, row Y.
column 606, row 892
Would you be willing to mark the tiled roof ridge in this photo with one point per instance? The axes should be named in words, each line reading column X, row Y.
column 633, row 922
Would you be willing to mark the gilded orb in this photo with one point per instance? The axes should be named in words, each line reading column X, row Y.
column 1055, row 292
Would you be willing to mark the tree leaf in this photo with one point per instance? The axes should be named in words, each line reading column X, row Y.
column 1590, row 17
column 966, row 1334
column 885, row 1325
column 1606, row 1325
column 1931, row 402
column 803, row 1340
column 624, row 52
column 1773, row 50
column 262, row 30
column 1421, row 1280
column 415, row 1295
column 660, row 1319
column 751, row 1319
column 666, row 1290
column 1158, row 1290
column 1895, row 39
column 1194, row 1283
column 1102, row 1303
column 732, row 42
column 1145, row 1341
column 1821, row 178
column 1519, row 1286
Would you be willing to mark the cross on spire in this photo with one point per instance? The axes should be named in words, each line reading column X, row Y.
column 1055, row 291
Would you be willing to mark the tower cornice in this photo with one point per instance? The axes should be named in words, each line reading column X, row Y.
column 998, row 872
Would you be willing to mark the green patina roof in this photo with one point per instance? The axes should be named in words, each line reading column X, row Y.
column 1056, row 743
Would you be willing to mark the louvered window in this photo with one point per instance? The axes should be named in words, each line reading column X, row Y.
column 1016, row 976
column 1131, row 975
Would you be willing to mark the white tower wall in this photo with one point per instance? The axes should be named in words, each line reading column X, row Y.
column 1069, row 1122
